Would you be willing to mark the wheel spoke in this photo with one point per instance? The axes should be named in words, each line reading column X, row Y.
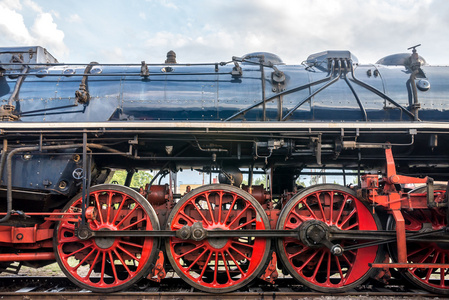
column 318, row 265
column 189, row 219
column 108, row 256
column 201, row 245
column 122, row 261
column 340, row 212
column 126, row 217
column 77, row 251
column 134, row 224
column 130, row 244
column 321, row 206
column 92, row 265
column 199, row 211
column 220, row 195
column 210, row 207
column 205, row 265
column 114, row 271
column 314, row 267
column 331, row 215
column 197, row 259
column 119, row 209
column 103, row 262
column 348, row 217
column 310, row 210
column 244, row 224
column 242, row 244
column 83, row 260
column 230, row 209
column 290, row 256
column 109, row 207
column 226, row 263
column 128, row 253
column 308, row 260
column 235, row 262
column 239, row 215
column 99, row 208
column 240, row 253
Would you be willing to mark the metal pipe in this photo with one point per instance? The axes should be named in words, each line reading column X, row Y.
column 8, row 257
column 36, row 148
column 85, row 183
column 296, row 89
column 121, row 74
column 262, row 75
column 19, row 82
column 415, row 105
column 3, row 158
column 380, row 94
column 362, row 108
column 314, row 93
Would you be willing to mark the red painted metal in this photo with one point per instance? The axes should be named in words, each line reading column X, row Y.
column 10, row 257
column 218, row 263
column 393, row 178
column 430, row 261
column 400, row 236
column 410, row 266
column 158, row 273
column 89, row 261
column 426, row 263
column 317, row 266
column 271, row 273
column 157, row 195
column 258, row 192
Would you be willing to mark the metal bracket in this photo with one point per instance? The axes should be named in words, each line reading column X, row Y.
column 144, row 70
column 278, row 80
column 237, row 70
column 82, row 95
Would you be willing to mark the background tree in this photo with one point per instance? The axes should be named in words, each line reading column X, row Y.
column 140, row 178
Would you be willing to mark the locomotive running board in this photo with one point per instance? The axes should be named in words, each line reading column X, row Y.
column 206, row 126
column 409, row 265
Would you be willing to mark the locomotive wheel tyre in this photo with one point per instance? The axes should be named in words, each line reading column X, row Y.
column 416, row 249
column 102, row 251
column 315, row 258
column 233, row 262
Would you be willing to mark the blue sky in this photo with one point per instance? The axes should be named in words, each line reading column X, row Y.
column 110, row 31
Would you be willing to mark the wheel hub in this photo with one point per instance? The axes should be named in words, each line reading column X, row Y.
column 104, row 242
column 313, row 233
column 217, row 243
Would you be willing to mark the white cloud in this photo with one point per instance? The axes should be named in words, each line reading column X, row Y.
column 370, row 29
column 33, row 5
column 12, row 26
column 74, row 18
column 12, row 4
column 44, row 31
column 142, row 15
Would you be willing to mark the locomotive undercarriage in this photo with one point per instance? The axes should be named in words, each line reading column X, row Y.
column 219, row 237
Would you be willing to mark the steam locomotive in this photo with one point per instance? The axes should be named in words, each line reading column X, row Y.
column 66, row 128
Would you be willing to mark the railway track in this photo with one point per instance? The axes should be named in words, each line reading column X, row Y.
column 14, row 287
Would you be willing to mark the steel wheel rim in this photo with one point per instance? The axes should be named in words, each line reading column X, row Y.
column 218, row 265
column 435, row 279
column 88, row 263
column 317, row 267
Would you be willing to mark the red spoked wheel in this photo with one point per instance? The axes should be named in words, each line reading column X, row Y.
column 108, row 264
column 434, row 279
column 218, row 265
column 314, row 265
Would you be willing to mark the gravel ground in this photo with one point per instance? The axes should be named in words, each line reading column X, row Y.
column 53, row 270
